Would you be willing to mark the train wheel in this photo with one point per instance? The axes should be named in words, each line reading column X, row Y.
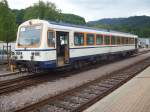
column 80, row 64
column 76, row 65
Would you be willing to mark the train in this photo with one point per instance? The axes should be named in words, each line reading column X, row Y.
column 46, row 45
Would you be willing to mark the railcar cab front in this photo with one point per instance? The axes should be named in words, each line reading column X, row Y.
column 53, row 51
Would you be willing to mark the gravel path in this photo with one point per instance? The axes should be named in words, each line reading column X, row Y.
column 33, row 94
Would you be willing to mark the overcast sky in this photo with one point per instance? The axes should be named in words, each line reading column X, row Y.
column 94, row 9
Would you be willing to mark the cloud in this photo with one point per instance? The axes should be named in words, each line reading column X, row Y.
column 94, row 9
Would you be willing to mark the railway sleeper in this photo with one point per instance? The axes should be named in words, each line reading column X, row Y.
column 93, row 91
column 51, row 108
column 105, row 85
column 111, row 81
column 58, row 106
column 86, row 95
column 65, row 104
column 75, row 99
column 118, row 78
column 99, row 87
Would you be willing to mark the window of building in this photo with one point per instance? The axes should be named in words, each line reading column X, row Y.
column 51, row 39
column 78, row 38
column 99, row 39
column 90, row 39
column 107, row 40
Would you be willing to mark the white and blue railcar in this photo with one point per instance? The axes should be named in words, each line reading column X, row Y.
column 47, row 45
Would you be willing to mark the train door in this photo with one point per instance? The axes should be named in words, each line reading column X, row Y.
column 136, row 43
column 62, row 48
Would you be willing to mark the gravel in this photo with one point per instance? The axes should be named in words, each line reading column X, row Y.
column 30, row 95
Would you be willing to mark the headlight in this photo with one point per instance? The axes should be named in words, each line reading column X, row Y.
column 21, row 57
column 37, row 53
column 18, row 53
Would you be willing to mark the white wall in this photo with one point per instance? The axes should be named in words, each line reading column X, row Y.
column 143, row 42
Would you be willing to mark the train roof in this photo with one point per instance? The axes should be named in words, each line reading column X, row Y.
column 89, row 28
column 80, row 28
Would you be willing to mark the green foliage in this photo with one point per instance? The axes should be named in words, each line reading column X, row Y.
column 19, row 15
column 43, row 10
column 73, row 19
column 7, row 23
column 139, row 25
column 47, row 11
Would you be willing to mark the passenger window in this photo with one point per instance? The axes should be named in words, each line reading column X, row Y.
column 78, row 38
column 90, row 39
column 99, row 39
column 130, row 41
column 51, row 39
column 113, row 40
column 126, row 40
column 107, row 40
column 133, row 41
column 123, row 40
column 118, row 40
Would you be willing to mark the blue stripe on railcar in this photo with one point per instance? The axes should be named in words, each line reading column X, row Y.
column 47, row 64
column 71, row 48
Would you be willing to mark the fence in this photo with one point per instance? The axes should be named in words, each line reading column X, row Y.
column 5, row 52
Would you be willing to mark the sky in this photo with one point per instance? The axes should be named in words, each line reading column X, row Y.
column 94, row 9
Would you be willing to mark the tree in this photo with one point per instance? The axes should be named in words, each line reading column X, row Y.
column 74, row 19
column 43, row 10
column 7, row 23
column 19, row 15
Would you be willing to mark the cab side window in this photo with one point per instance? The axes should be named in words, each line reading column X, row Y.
column 51, row 39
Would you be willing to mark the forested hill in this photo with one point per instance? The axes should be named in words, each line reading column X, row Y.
column 73, row 19
column 25, row 14
column 139, row 25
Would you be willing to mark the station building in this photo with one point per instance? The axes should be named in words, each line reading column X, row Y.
column 144, row 42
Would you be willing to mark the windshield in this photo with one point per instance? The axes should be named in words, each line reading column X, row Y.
column 30, row 36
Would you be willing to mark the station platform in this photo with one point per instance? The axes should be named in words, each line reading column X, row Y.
column 4, row 73
column 134, row 96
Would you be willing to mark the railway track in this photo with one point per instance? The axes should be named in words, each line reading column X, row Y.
column 80, row 98
column 22, row 82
